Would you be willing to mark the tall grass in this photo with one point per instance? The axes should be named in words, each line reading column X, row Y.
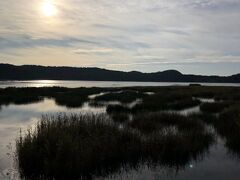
column 228, row 126
column 88, row 146
column 168, row 101
column 208, row 118
column 21, row 96
column 70, row 147
column 151, row 122
column 120, row 117
column 215, row 107
column 180, row 139
column 118, row 109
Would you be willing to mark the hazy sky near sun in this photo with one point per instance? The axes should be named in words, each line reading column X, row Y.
column 192, row 36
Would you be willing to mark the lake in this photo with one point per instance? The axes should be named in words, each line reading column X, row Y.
column 215, row 164
column 74, row 84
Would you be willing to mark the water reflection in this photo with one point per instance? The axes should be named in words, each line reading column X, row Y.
column 215, row 166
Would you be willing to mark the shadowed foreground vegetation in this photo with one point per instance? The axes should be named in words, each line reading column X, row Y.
column 228, row 126
column 215, row 107
column 152, row 122
column 88, row 146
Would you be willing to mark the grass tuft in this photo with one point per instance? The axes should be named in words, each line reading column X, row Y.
column 88, row 146
column 215, row 107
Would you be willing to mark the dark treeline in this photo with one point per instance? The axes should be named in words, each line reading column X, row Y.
column 32, row 72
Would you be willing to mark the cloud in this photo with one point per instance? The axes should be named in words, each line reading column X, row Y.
column 94, row 51
column 144, row 29
column 25, row 41
column 153, row 63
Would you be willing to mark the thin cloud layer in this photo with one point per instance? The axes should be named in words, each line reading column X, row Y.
column 193, row 36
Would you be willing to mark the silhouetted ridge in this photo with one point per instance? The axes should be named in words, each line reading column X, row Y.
column 33, row 72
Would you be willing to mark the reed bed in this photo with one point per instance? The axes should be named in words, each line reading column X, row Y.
column 87, row 146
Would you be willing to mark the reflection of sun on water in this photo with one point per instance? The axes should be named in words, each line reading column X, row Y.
column 48, row 8
column 43, row 83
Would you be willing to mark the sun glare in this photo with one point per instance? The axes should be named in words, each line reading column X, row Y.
column 49, row 9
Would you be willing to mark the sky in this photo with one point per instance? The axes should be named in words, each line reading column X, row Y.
column 191, row 36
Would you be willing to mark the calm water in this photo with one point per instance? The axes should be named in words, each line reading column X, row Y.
column 217, row 164
column 73, row 84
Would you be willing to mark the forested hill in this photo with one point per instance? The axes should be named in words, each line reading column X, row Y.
column 32, row 72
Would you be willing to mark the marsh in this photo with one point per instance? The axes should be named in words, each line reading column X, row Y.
column 112, row 133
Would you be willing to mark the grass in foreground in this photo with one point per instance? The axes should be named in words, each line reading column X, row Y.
column 228, row 126
column 226, row 123
column 120, row 117
column 152, row 122
column 215, row 107
column 88, row 146
column 76, row 146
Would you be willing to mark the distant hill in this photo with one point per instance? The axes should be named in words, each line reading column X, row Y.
column 32, row 72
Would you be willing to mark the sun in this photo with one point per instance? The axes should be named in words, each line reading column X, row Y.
column 49, row 9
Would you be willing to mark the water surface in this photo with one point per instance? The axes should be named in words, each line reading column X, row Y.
column 73, row 84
